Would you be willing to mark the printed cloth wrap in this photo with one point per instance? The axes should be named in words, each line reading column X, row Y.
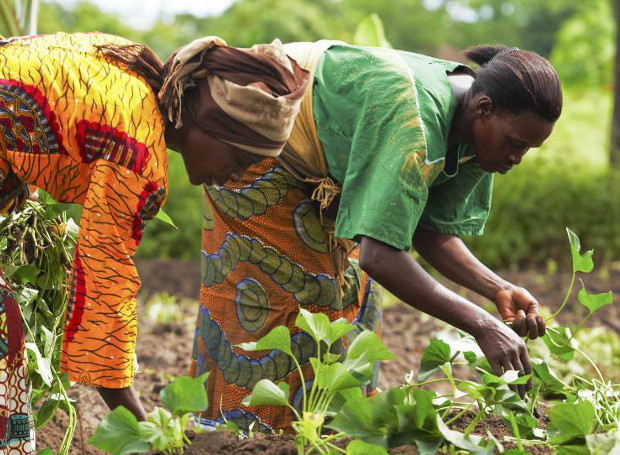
column 265, row 256
column 16, row 424
column 88, row 132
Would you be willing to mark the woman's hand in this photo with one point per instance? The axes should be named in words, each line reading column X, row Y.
column 504, row 350
column 520, row 310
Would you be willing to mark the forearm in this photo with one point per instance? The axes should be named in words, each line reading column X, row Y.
column 451, row 257
column 400, row 274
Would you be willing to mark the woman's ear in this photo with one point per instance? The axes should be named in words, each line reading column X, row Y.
column 484, row 106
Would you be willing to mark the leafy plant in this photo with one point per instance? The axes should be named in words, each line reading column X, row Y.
column 336, row 380
column 164, row 430
column 37, row 243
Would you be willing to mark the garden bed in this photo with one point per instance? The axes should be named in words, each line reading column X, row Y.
column 406, row 333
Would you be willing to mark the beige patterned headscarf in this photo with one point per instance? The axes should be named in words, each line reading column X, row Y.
column 248, row 98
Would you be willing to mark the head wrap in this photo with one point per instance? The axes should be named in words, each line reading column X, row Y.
column 248, row 98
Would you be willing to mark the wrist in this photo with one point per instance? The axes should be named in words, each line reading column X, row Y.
column 496, row 288
column 481, row 324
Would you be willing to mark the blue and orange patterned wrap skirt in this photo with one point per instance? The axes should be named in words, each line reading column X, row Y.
column 264, row 256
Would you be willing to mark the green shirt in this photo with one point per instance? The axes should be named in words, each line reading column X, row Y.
column 383, row 118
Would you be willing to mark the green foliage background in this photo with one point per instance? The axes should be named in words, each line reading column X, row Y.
column 563, row 183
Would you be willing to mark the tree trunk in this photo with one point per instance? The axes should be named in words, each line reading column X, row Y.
column 614, row 149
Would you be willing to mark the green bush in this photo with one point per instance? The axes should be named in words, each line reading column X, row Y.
column 532, row 205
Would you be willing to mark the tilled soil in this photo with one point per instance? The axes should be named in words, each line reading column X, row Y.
column 164, row 351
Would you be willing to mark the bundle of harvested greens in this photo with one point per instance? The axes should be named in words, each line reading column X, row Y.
column 37, row 241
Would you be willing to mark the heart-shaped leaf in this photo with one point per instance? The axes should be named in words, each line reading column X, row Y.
column 436, row 354
column 581, row 262
column 277, row 338
column 266, row 392
column 185, row 395
column 594, row 302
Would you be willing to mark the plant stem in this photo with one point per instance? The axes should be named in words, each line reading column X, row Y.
column 568, row 293
column 460, row 414
column 303, row 384
column 448, row 373
column 515, row 430
column 600, row 375
column 336, row 448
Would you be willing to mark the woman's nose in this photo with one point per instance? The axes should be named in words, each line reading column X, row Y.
column 515, row 159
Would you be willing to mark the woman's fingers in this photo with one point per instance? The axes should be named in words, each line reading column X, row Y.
column 542, row 326
column 527, row 367
column 519, row 325
column 532, row 326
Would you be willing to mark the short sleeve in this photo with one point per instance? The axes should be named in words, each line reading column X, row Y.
column 370, row 127
column 460, row 205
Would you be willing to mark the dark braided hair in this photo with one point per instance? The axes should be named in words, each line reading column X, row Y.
column 517, row 81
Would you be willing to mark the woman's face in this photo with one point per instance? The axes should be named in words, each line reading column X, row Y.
column 501, row 139
column 208, row 160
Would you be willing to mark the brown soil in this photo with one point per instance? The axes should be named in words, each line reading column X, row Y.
column 227, row 443
column 164, row 349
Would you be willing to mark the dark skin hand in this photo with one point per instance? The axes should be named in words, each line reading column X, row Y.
column 451, row 257
column 400, row 274
column 126, row 397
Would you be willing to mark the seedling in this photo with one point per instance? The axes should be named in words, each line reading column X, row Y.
column 164, row 430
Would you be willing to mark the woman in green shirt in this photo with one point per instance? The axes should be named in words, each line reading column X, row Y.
column 408, row 144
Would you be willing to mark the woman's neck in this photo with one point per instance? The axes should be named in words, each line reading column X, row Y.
column 460, row 129
column 172, row 137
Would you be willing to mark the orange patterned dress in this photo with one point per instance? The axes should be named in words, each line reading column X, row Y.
column 87, row 131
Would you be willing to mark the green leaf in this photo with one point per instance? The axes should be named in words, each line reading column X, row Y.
column 570, row 421
column 43, row 365
column 26, row 274
column 50, row 340
column 581, row 262
column 510, row 377
column 279, row 338
column 266, row 392
column 338, row 329
column 369, row 345
column 357, row 447
column 345, row 396
column 551, row 385
column 185, row 395
column 417, row 423
column 161, row 430
column 163, row 216
column 45, row 413
column 330, row 357
column 366, row 349
column 335, row 377
column 603, row 444
column 525, row 425
column 460, row 440
column 436, row 354
column 46, row 451
column 355, row 420
column 560, row 342
column 594, row 302
column 119, row 434
column 471, row 357
column 317, row 325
